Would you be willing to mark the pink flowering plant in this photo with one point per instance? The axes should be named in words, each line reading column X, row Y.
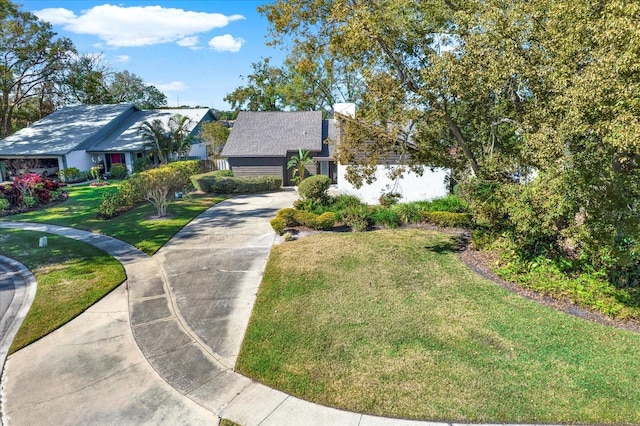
column 28, row 191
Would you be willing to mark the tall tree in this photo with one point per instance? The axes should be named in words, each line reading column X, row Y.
column 90, row 80
column 87, row 80
column 165, row 141
column 492, row 89
column 29, row 58
column 128, row 87
column 431, row 67
column 215, row 134
column 307, row 81
column 263, row 91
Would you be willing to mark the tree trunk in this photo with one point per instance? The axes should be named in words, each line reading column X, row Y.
column 457, row 133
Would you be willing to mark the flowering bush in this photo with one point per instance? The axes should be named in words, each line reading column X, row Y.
column 29, row 191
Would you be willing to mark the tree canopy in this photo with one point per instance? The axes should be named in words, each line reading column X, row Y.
column 497, row 92
column 31, row 62
column 214, row 134
column 90, row 80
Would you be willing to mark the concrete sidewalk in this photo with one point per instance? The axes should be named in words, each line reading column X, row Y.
column 161, row 348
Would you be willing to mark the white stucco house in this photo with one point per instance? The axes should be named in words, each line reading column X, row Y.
column 84, row 136
column 262, row 143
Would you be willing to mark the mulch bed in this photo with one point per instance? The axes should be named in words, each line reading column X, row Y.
column 481, row 261
column 63, row 197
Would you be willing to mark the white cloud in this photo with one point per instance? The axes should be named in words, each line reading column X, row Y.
column 121, row 26
column 174, row 86
column 226, row 43
column 56, row 15
column 122, row 58
column 188, row 41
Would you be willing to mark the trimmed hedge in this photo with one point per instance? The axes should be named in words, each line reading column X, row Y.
column 118, row 171
column 448, row 219
column 288, row 214
column 315, row 188
column 212, row 183
column 278, row 224
column 186, row 169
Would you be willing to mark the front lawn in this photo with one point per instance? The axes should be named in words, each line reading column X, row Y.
column 71, row 277
column 392, row 323
column 81, row 211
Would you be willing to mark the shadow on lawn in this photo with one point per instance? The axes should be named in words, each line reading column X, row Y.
column 452, row 245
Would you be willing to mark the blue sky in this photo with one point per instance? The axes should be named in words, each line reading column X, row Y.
column 193, row 51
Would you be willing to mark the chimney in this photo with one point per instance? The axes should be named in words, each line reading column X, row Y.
column 345, row 108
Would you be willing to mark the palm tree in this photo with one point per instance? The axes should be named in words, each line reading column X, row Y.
column 156, row 139
column 164, row 142
column 298, row 163
column 180, row 134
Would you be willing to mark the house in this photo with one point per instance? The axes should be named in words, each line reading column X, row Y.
column 84, row 136
column 262, row 143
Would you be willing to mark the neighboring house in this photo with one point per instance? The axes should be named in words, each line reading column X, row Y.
column 84, row 136
column 262, row 143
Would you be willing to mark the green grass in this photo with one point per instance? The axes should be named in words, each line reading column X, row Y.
column 81, row 210
column 71, row 276
column 394, row 324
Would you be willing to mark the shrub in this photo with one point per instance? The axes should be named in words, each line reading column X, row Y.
column 448, row 219
column 288, row 214
column 315, row 188
column 344, row 201
column 287, row 236
column 95, row 173
column 69, row 174
column 4, row 204
column 185, row 170
column 388, row 199
column 83, row 176
column 408, row 212
column 385, row 216
column 111, row 204
column 278, row 224
column 42, row 195
column 356, row 218
column 29, row 201
column 142, row 164
column 155, row 185
column 227, row 173
column 118, row 171
column 11, row 194
column 210, row 183
column 309, row 205
column 325, row 221
column 305, row 218
column 450, row 203
column 119, row 200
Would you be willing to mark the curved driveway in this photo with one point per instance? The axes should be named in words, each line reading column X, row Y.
column 183, row 313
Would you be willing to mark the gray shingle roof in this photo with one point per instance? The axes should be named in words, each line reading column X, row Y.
column 65, row 130
column 272, row 134
column 126, row 137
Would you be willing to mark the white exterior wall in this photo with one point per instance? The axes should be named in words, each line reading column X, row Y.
column 412, row 187
column 198, row 150
column 80, row 160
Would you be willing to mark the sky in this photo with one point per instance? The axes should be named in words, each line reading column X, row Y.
column 195, row 52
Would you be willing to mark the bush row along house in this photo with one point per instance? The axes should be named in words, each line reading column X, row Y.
column 85, row 136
